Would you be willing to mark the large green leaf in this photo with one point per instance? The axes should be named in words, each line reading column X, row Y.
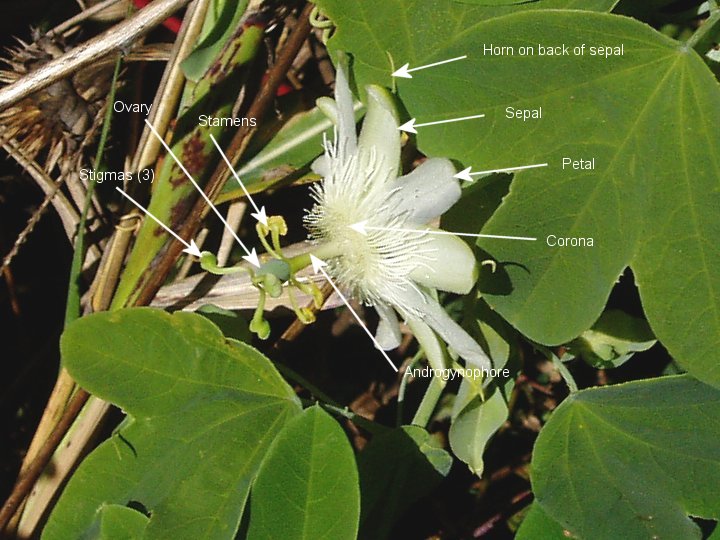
column 307, row 487
column 648, row 118
column 202, row 411
column 383, row 35
column 632, row 461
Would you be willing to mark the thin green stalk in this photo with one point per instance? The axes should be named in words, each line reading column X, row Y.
column 703, row 37
column 344, row 412
column 559, row 364
column 307, row 385
column 321, row 251
column 436, row 355
column 72, row 306
column 429, row 402
column 565, row 373
column 403, row 386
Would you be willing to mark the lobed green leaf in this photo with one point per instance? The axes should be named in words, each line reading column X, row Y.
column 630, row 461
column 202, row 412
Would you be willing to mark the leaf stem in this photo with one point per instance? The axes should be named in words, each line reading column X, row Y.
column 702, row 38
column 403, row 386
column 344, row 412
column 294, row 376
column 565, row 373
column 72, row 304
column 429, row 402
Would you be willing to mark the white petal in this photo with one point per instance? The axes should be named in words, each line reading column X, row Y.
column 428, row 191
column 459, row 340
column 450, row 265
column 379, row 141
column 388, row 331
column 347, row 136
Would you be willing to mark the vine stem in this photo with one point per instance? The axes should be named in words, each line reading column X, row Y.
column 72, row 304
column 307, row 385
column 403, row 386
column 565, row 373
column 344, row 412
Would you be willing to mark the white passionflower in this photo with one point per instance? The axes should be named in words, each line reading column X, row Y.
column 395, row 271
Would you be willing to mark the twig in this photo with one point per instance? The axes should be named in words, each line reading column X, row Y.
column 73, row 308
column 26, row 482
column 489, row 525
column 105, row 281
column 65, row 385
column 10, row 283
column 83, row 15
column 236, row 211
column 30, row 225
column 115, row 38
column 65, row 209
column 257, row 110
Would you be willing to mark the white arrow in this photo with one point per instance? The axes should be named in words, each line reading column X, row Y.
column 363, row 228
column 411, row 125
column 190, row 248
column 251, row 256
column 405, row 70
column 318, row 267
column 467, row 174
column 259, row 214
